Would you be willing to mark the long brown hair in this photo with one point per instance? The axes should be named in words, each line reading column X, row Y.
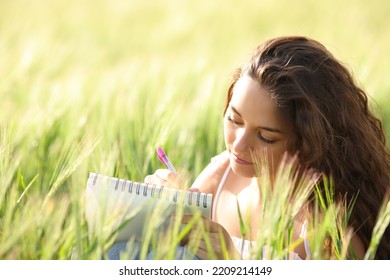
column 333, row 129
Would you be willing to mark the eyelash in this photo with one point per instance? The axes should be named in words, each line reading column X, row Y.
column 230, row 119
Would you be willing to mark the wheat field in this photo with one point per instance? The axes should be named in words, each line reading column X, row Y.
column 98, row 85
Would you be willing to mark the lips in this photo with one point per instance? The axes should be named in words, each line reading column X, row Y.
column 240, row 160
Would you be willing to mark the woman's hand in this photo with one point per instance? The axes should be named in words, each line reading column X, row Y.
column 211, row 240
column 165, row 177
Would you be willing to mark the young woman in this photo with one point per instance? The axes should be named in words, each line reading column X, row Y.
column 294, row 97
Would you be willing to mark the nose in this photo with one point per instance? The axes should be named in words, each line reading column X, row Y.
column 242, row 142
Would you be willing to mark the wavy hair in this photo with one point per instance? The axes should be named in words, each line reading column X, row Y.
column 333, row 130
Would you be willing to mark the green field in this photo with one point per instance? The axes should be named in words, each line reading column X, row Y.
column 98, row 85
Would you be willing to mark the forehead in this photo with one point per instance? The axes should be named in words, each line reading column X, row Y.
column 250, row 98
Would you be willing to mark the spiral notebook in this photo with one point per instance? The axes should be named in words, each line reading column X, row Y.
column 129, row 207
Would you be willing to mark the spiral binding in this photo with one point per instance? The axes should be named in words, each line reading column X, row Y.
column 131, row 186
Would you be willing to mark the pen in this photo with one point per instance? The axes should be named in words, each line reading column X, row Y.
column 164, row 159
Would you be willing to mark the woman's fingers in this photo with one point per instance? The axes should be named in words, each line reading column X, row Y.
column 203, row 252
column 151, row 179
column 213, row 248
column 209, row 226
column 164, row 177
column 209, row 239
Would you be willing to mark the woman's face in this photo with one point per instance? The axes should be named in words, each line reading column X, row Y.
column 251, row 123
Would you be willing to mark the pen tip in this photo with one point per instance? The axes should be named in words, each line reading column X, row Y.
column 160, row 152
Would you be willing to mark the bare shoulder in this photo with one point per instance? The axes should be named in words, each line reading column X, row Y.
column 301, row 224
column 208, row 180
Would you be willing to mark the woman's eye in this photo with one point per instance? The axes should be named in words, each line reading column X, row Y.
column 268, row 141
column 230, row 119
column 260, row 136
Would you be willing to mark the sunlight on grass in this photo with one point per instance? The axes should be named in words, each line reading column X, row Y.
column 98, row 86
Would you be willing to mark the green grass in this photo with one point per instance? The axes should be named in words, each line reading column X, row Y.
column 98, row 86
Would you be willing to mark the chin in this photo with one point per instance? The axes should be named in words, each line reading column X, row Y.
column 243, row 171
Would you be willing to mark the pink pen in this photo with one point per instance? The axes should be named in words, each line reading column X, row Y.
column 164, row 159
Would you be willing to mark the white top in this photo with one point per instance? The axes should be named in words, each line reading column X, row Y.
column 244, row 246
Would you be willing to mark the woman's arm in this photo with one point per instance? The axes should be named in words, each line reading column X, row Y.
column 209, row 179
column 210, row 239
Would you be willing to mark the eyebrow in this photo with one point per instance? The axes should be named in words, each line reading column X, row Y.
column 271, row 129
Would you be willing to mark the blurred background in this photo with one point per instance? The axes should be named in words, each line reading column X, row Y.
column 97, row 85
column 67, row 51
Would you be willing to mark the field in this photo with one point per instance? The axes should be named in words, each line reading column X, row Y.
column 98, row 85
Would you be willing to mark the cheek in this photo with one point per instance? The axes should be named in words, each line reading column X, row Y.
column 229, row 135
column 270, row 158
column 273, row 155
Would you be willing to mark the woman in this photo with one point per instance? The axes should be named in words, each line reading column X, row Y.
column 294, row 97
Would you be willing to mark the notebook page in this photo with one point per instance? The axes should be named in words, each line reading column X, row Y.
column 113, row 202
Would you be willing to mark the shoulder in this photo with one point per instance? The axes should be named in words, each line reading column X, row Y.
column 220, row 158
column 209, row 179
column 301, row 224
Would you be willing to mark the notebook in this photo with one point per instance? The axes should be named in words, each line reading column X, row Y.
column 129, row 207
